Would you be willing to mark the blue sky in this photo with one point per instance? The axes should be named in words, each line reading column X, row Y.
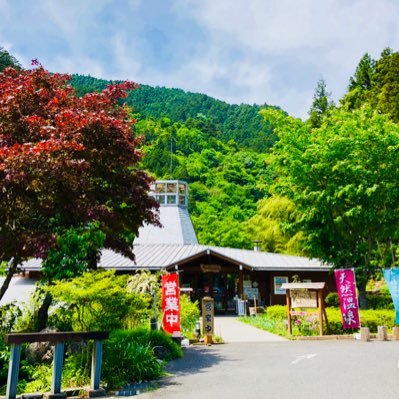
column 252, row 51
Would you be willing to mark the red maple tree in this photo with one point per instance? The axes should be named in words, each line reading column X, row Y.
column 66, row 161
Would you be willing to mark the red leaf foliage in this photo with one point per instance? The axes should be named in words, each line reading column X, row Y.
column 66, row 161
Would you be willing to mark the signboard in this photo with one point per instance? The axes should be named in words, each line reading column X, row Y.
column 171, row 304
column 208, row 312
column 278, row 282
column 346, row 287
column 251, row 293
column 210, row 268
column 391, row 277
column 303, row 298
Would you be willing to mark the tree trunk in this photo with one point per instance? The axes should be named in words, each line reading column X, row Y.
column 42, row 315
column 12, row 268
column 93, row 259
column 362, row 294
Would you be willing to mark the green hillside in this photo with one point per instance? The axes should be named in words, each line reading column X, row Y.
column 242, row 123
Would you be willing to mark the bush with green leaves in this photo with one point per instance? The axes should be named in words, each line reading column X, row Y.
column 190, row 314
column 150, row 338
column 370, row 318
column 129, row 356
column 277, row 312
column 275, row 321
column 332, row 300
column 99, row 300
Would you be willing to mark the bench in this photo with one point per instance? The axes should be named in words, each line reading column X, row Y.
column 58, row 339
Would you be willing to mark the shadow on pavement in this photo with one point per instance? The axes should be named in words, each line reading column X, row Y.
column 195, row 360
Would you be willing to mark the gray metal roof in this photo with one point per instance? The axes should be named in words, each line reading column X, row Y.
column 19, row 290
column 176, row 228
column 161, row 256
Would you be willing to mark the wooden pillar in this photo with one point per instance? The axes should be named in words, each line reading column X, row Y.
column 321, row 309
column 57, row 368
column 13, row 371
column 288, row 298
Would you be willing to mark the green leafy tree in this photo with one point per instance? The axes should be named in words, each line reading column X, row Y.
column 66, row 162
column 7, row 60
column 384, row 94
column 364, row 75
column 376, row 82
column 321, row 104
column 342, row 179
column 70, row 257
column 271, row 224
column 100, row 301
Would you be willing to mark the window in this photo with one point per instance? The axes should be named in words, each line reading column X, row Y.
column 160, row 199
column 278, row 282
column 172, row 199
column 182, row 200
column 172, row 188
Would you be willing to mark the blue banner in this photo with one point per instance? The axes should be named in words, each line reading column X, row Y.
column 392, row 279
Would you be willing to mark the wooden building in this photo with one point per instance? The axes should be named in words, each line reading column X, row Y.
column 222, row 273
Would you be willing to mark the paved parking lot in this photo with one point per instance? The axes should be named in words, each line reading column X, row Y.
column 285, row 370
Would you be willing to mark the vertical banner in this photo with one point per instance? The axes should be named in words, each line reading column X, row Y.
column 171, row 304
column 391, row 277
column 346, row 286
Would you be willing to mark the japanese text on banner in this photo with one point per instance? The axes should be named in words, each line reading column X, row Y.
column 346, row 286
column 171, row 303
column 391, row 277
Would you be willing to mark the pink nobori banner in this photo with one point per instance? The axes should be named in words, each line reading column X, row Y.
column 346, row 286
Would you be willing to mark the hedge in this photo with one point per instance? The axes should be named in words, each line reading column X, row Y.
column 371, row 318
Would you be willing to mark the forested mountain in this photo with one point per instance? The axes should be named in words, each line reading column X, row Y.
column 218, row 148
column 242, row 123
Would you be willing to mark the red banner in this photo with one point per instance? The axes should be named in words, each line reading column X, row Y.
column 171, row 304
column 346, row 286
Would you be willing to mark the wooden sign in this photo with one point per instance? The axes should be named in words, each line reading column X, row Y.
column 208, row 312
column 306, row 294
column 210, row 268
column 303, row 298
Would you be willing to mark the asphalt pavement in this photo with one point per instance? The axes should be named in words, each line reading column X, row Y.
column 284, row 370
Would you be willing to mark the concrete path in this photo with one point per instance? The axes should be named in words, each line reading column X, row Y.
column 232, row 330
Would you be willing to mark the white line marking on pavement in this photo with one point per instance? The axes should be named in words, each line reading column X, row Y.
column 310, row 356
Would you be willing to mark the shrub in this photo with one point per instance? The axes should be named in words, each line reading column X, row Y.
column 277, row 312
column 127, row 360
column 379, row 301
column 332, row 300
column 190, row 314
column 275, row 321
column 368, row 318
column 4, row 358
column 151, row 338
column 100, row 301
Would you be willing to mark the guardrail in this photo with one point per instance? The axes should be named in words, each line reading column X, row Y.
column 58, row 339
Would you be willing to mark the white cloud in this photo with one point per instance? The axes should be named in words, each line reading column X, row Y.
column 260, row 51
column 329, row 37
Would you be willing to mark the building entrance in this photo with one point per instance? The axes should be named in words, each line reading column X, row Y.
column 222, row 287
